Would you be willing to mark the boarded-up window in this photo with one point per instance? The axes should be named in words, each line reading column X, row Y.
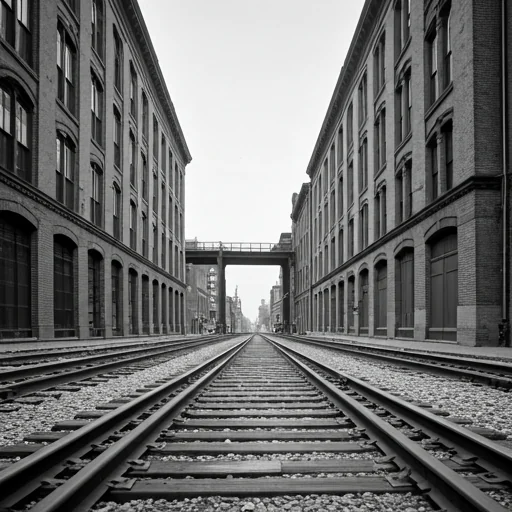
column 63, row 287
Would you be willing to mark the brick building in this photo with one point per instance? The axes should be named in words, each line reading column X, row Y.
column 401, row 232
column 92, row 175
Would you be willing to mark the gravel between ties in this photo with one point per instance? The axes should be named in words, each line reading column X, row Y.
column 30, row 418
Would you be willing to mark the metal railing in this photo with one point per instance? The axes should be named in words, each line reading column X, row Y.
column 194, row 245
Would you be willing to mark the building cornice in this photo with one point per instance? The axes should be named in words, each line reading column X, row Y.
column 342, row 91
column 464, row 188
column 150, row 58
column 297, row 207
column 31, row 192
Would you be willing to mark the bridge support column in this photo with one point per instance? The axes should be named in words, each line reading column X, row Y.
column 222, row 292
column 286, row 297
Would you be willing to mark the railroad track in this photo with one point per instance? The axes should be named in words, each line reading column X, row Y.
column 24, row 380
column 485, row 371
column 257, row 420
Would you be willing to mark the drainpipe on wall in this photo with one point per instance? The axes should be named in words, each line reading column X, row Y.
column 504, row 329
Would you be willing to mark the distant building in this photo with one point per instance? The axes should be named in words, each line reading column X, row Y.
column 198, row 304
column 263, row 324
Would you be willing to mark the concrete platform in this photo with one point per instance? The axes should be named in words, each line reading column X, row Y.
column 421, row 346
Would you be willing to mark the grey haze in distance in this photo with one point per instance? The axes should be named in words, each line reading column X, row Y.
column 251, row 81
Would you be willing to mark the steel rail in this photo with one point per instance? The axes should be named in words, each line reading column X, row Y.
column 500, row 373
column 444, row 485
column 24, row 477
column 16, row 389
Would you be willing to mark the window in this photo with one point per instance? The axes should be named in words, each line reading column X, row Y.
column 443, row 287
column 117, row 299
column 434, row 169
column 404, row 293
column 66, row 69
column 447, row 54
column 403, row 108
column 380, row 140
column 96, row 195
column 363, row 301
column 340, row 197
column 71, row 4
column 133, row 320
column 350, row 238
column 363, row 99
column 448, row 154
column 363, row 165
column 145, row 178
column 63, row 287
column 24, row 37
column 170, row 256
column 332, row 164
column 326, row 175
column 169, row 220
column 170, row 169
column 176, row 221
column 333, row 207
column 155, row 139
column 117, row 211
column 144, row 235
column 176, row 262
column 432, row 63
column 164, row 155
column 133, row 161
column 156, row 321
column 133, row 92
column 163, row 202
column 145, row 116
column 15, row 276
column 133, row 226
column 363, row 226
column 381, row 302
column 97, row 26
column 402, row 25
column 340, row 145
column 145, row 304
column 155, row 244
column 176, row 181
column 95, row 294
column 7, row 25
column 162, row 248
column 15, row 118
column 118, row 62
column 341, row 247
column 380, row 213
column 155, row 192
column 65, row 172
column 350, row 184
column 96, row 109
column 350, row 125
column 380, row 64
column 117, row 138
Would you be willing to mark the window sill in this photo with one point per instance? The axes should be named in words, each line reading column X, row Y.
column 118, row 169
column 70, row 12
column 448, row 89
column 380, row 171
column 365, row 189
column 378, row 94
column 98, row 57
column 119, row 95
column 68, row 112
column 20, row 59
column 98, row 146
column 404, row 142
column 402, row 52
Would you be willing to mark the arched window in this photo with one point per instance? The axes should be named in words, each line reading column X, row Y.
column 97, row 26
column 164, row 309
column 133, row 321
column 96, row 195
column 117, row 137
column 118, row 62
column 96, row 110
column 15, row 276
column 404, row 293
column 65, row 172
column 117, row 211
column 133, row 161
column 363, row 301
column 133, row 92
column 15, row 131
column 341, row 306
column 133, row 226
column 156, row 320
column 443, row 286
column 381, row 298
column 145, row 304
column 145, row 115
column 64, row 311
column 117, row 298
column 66, row 68
column 351, row 298
column 171, row 310
column 95, row 293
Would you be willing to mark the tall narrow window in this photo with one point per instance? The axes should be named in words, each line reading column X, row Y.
column 434, row 170
column 340, row 145
column 145, row 116
column 117, row 299
column 144, row 235
column 380, row 140
column 24, row 39
column 350, row 125
column 118, row 62
column 94, row 294
column 162, row 249
column 117, row 138
column 156, row 320
column 163, row 202
column 363, row 99
column 117, row 211
column 350, row 184
column 404, row 293
column 448, row 154
column 380, row 64
column 340, row 197
column 341, row 247
column 351, row 238
column 133, row 226
column 163, row 147
column 145, row 177
column 176, row 222
column 96, row 195
column 363, row 165
column 97, row 26
column 155, row 139
column 447, row 49
column 155, row 192
column 399, row 194
column 363, row 226
column 66, row 65
column 432, row 62
column 133, row 161
column 145, row 304
column 63, row 287
column 169, row 220
column 15, row 276
column 133, row 92
column 65, row 172
column 133, row 321
column 332, row 163
column 363, row 301
column 7, row 24
column 96, row 109
column 155, row 244
column 380, row 301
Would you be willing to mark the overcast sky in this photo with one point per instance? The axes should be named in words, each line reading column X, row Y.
column 251, row 81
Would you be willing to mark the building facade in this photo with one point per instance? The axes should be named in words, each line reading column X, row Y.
column 403, row 230
column 198, row 303
column 92, row 175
